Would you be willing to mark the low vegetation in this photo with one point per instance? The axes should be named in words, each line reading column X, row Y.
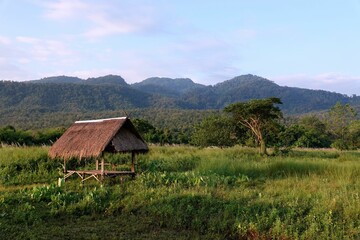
column 185, row 193
column 10, row 135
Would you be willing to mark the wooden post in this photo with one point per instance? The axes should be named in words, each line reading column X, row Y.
column 65, row 170
column 97, row 165
column 102, row 169
column 65, row 166
column 133, row 162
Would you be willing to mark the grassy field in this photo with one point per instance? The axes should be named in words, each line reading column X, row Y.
column 185, row 193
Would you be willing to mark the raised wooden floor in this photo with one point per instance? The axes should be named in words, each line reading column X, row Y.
column 97, row 174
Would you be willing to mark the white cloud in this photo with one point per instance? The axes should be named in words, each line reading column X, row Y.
column 11, row 71
column 4, row 40
column 64, row 9
column 203, row 59
column 104, row 26
column 26, row 57
column 43, row 50
column 334, row 82
column 207, row 59
column 103, row 18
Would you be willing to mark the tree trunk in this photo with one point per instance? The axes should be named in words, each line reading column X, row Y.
column 262, row 144
column 263, row 148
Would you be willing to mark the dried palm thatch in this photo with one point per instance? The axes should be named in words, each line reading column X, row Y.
column 90, row 139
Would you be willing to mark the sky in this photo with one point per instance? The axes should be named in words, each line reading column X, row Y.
column 298, row 43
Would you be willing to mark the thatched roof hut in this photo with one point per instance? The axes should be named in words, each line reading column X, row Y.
column 90, row 139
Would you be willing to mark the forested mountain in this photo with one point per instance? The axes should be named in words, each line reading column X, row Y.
column 167, row 86
column 105, row 80
column 63, row 95
column 53, row 97
column 58, row 79
column 246, row 87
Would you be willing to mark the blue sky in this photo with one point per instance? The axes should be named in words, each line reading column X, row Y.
column 299, row 43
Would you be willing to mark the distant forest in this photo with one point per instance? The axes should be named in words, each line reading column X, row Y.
column 168, row 110
column 68, row 94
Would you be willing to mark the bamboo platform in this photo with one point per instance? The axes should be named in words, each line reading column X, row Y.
column 100, row 172
column 97, row 174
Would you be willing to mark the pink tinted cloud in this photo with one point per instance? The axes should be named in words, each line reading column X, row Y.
column 104, row 18
column 4, row 40
column 64, row 9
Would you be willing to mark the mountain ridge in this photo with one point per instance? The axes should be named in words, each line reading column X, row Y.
column 171, row 86
column 111, row 92
column 102, row 80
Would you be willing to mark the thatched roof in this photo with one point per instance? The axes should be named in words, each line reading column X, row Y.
column 90, row 139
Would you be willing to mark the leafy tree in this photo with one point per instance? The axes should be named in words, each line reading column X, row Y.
column 310, row 139
column 271, row 133
column 165, row 135
column 354, row 131
column 312, row 123
column 338, row 121
column 47, row 136
column 309, row 132
column 315, row 133
column 10, row 135
column 143, row 126
column 290, row 135
column 147, row 131
column 214, row 131
column 255, row 115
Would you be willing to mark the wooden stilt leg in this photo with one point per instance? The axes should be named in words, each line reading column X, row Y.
column 97, row 165
column 133, row 164
column 102, row 169
column 65, row 170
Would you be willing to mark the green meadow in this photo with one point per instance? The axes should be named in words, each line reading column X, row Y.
column 182, row 192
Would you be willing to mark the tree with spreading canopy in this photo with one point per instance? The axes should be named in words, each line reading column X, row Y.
column 338, row 121
column 216, row 130
column 354, row 130
column 255, row 115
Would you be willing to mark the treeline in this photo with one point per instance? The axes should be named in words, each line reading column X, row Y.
column 161, row 118
column 10, row 135
column 338, row 128
column 162, row 136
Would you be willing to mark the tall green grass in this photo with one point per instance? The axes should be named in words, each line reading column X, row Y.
column 218, row 193
column 27, row 165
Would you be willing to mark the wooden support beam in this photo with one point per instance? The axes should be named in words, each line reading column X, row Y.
column 68, row 175
column 133, row 162
column 64, row 166
column 65, row 170
column 102, row 169
column 94, row 176
column 97, row 165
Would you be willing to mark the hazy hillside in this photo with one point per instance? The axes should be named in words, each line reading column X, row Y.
column 62, row 95
column 105, row 80
column 246, row 87
column 51, row 97
column 167, row 86
column 58, row 79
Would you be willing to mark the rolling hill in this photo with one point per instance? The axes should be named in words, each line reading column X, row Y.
column 167, row 86
column 105, row 80
column 246, row 87
column 62, row 95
